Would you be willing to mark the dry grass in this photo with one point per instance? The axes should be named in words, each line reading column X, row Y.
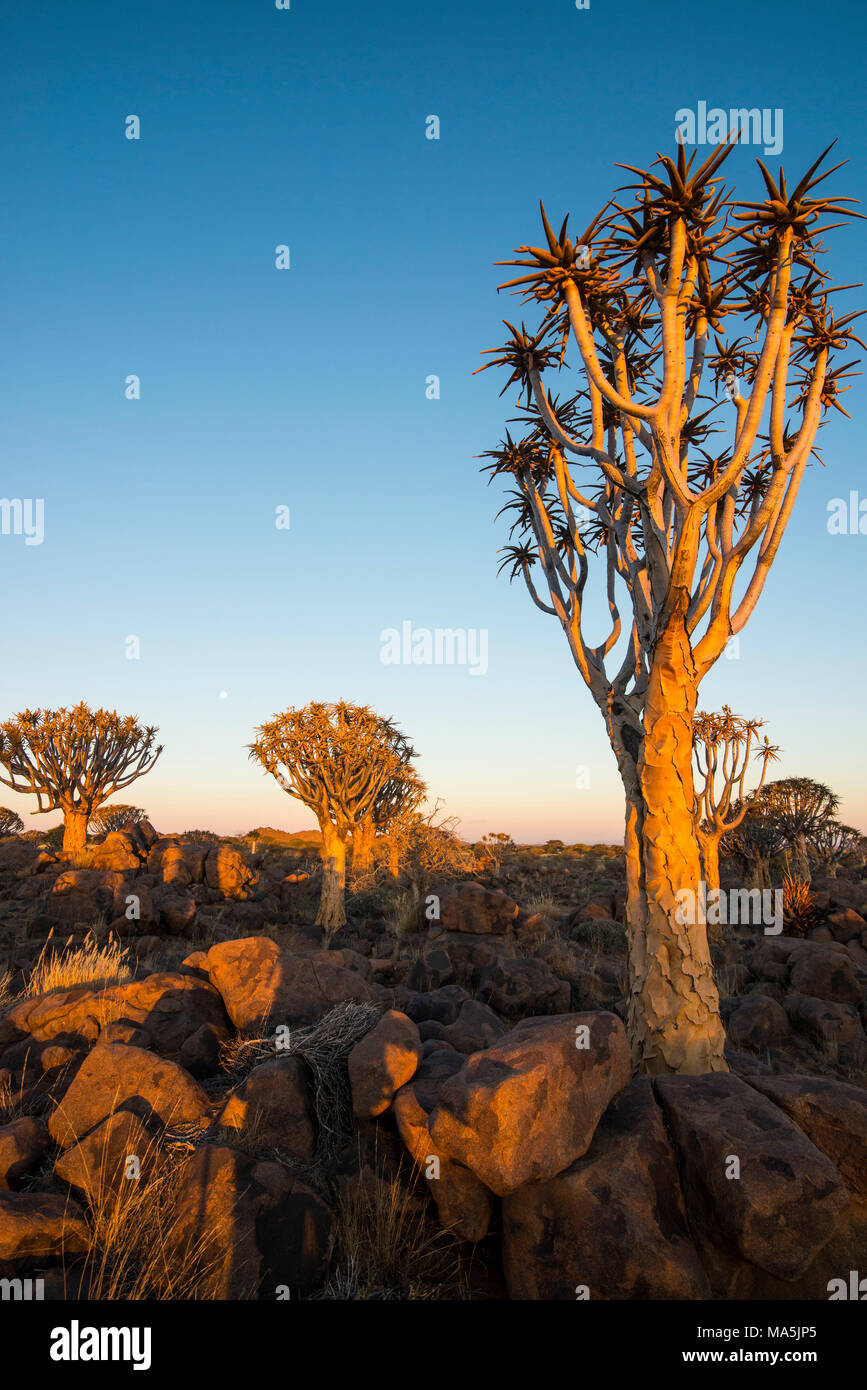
column 132, row 1256
column 388, row 1247
column 88, row 964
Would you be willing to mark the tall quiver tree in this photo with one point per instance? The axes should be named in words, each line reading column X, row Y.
column 72, row 760
column 336, row 759
column 800, row 808
column 722, row 744
column 399, row 796
column 620, row 468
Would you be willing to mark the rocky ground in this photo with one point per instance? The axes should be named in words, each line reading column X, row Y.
column 417, row 1108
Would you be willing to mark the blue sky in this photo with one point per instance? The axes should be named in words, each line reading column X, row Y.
column 305, row 387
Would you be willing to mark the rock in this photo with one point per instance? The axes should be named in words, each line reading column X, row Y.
column 784, row 1206
column 475, row 1028
column 121, row 1030
column 432, row 970
column 262, row 985
column 535, row 927
column 82, row 895
column 42, row 1226
column 470, row 907
column 273, row 1103
column 464, row 1205
column 117, row 853
column 169, row 1007
column 227, row 870
column 177, row 912
column 602, row 907
column 613, row 1221
column 439, row 1005
column 383, row 1061
column 200, row 1053
column 832, row 1114
column 250, row 1228
column 23, row 1145
column 757, row 1022
column 117, row 1077
column 846, row 924
column 823, row 1022
column 520, row 986
column 179, row 862
column 99, row 1163
column 826, row 973
column 528, row 1107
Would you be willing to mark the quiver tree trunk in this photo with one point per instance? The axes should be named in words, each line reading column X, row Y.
column 75, row 829
column 332, row 902
column 363, row 837
column 674, row 1021
column 393, row 859
column 709, row 846
column 801, row 857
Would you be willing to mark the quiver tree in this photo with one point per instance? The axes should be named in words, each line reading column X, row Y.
column 755, row 840
column 671, row 471
column 496, row 844
column 399, row 795
column 116, row 818
column 10, row 822
column 833, row 842
column 800, row 808
column 337, row 759
column 722, row 744
column 72, row 760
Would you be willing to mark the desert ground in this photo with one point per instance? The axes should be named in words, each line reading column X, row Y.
column 204, row 1095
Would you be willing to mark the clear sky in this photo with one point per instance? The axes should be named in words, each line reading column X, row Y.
column 306, row 387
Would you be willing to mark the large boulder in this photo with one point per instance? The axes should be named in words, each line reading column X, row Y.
column 115, row 1076
column 517, row 987
column 383, row 1061
column 273, row 1103
column 831, row 1113
column 179, row 862
column 227, row 870
column 118, row 853
column 100, row 1162
column 169, row 1007
column 826, row 972
column 526, row 1108
column 246, row 1229
column 40, row 1226
column 83, row 895
column 469, row 907
column 464, row 1205
column 753, row 1182
column 614, row 1221
column 263, row 986
column 758, row 1022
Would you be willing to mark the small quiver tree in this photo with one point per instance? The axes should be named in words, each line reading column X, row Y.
column 800, row 809
column 834, row 843
column 72, row 760
column 336, row 759
column 722, row 744
column 400, row 795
